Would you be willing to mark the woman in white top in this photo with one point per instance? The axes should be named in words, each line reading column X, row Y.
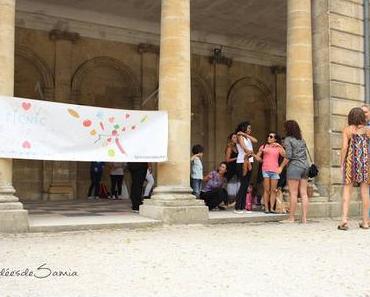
column 116, row 177
column 244, row 162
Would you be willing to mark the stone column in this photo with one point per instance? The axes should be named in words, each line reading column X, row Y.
column 13, row 218
column 172, row 201
column 63, row 178
column 300, row 105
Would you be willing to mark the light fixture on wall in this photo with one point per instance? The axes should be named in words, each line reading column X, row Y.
column 218, row 57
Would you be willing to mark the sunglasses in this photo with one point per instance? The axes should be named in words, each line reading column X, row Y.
column 271, row 136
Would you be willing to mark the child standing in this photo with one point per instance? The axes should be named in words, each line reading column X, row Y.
column 196, row 169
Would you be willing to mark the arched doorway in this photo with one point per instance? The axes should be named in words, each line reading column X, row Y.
column 104, row 82
column 33, row 79
column 250, row 99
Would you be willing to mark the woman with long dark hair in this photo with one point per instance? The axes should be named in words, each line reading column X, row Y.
column 231, row 154
column 213, row 192
column 269, row 154
column 355, row 164
column 297, row 170
column 243, row 162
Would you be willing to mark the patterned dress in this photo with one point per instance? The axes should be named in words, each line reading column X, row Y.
column 356, row 165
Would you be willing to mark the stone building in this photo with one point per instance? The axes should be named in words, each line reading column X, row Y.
column 261, row 60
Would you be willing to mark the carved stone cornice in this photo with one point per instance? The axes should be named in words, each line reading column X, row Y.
column 63, row 35
column 147, row 48
column 278, row 69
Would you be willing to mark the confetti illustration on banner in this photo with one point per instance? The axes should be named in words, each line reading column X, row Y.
column 109, row 131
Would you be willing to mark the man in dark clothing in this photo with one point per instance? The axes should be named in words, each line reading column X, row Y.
column 96, row 172
column 138, row 173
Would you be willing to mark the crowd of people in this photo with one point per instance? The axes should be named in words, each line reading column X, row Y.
column 140, row 172
column 281, row 162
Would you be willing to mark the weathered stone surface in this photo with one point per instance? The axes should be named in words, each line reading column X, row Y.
column 346, row 24
column 343, row 107
column 347, row 91
column 347, row 74
column 347, row 57
column 347, row 40
column 347, row 8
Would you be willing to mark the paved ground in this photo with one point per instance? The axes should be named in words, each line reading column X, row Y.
column 271, row 259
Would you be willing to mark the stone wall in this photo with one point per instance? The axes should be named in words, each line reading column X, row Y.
column 338, row 81
column 121, row 75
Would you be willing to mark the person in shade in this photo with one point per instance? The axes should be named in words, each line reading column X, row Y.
column 96, row 173
column 138, row 172
column 116, row 177
column 244, row 162
column 213, row 192
column 196, row 169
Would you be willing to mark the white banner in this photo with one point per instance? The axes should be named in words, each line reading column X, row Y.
column 43, row 130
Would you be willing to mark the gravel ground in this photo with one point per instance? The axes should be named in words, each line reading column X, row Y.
column 230, row 260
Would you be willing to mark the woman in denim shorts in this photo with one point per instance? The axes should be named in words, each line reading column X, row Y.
column 297, row 171
column 269, row 154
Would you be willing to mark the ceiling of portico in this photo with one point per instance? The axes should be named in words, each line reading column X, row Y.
column 248, row 23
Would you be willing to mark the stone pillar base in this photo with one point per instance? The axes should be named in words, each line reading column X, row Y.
column 174, row 206
column 13, row 218
column 60, row 192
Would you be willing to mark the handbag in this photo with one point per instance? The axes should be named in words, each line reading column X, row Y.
column 313, row 170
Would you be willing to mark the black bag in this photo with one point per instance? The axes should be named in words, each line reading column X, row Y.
column 313, row 171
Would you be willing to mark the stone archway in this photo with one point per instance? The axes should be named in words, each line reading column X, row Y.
column 33, row 79
column 201, row 101
column 250, row 99
column 109, row 74
column 105, row 82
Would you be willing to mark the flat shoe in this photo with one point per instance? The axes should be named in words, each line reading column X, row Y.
column 362, row 226
column 343, row 226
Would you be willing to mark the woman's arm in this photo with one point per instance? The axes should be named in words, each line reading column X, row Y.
column 282, row 165
column 244, row 147
column 208, row 177
column 258, row 156
column 253, row 139
column 344, row 149
column 282, row 152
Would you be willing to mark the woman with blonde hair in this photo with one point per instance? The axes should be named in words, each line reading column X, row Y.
column 355, row 164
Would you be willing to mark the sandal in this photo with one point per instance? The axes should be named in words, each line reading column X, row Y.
column 363, row 226
column 343, row 226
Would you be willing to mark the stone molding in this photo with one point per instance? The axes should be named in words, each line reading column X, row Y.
column 56, row 35
column 42, row 67
column 89, row 65
column 250, row 81
column 247, row 51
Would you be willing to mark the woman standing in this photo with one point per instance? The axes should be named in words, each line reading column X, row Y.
column 116, row 177
column 231, row 154
column 354, row 164
column 244, row 162
column 297, row 171
column 213, row 192
column 269, row 154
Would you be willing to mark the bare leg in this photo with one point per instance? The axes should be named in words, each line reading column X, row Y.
column 274, row 183
column 364, row 188
column 347, row 193
column 303, row 192
column 293, row 193
column 266, row 193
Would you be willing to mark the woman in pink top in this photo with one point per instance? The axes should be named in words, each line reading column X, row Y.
column 269, row 154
